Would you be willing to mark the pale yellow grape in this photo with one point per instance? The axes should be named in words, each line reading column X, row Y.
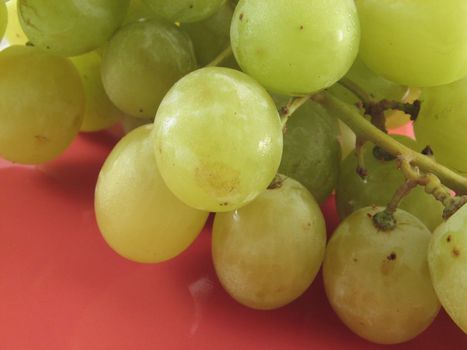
column 447, row 258
column 142, row 62
column 218, row 139
column 295, row 47
column 137, row 214
column 71, row 27
column 416, row 43
column 3, row 18
column 14, row 33
column 41, row 106
column 378, row 282
column 185, row 11
column 267, row 253
column 100, row 112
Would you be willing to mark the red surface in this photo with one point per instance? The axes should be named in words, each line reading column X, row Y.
column 62, row 288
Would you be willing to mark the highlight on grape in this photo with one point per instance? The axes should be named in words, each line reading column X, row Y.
column 257, row 112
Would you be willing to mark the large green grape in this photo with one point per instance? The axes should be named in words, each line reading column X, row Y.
column 41, row 105
column 218, row 139
column 14, row 33
column 137, row 214
column 3, row 18
column 212, row 35
column 100, row 112
column 352, row 192
column 295, row 47
column 378, row 282
column 442, row 123
column 267, row 253
column 142, row 62
column 447, row 258
column 416, row 43
column 312, row 152
column 185, row 10
column 70, row 27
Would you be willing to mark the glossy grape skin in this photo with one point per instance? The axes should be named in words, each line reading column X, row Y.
column 185, row 11
column 137, row 214
column 312, row 152
column 295, row 47
column 378, row 282
column 442, row 124
column 415, row 43
column 142, row 62
column 3, row 18
column 218, row 139
column 267, row 253
column 14, row 33
column 447, row 258
column 212, row 35
column 100, row 112
column 41, row 106
column 383, row 179
column 70, row 27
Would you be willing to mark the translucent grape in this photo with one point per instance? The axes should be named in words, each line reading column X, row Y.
column 352, row 192
column 212, row 35
column 142, row 62
column 14, row 33
column 70, row 27
column 185, row 10
column 447, row 258
column 295, row 47
column 137, row 214
column 100, row 112
column 3, row 18
column 378, row 282
column 312, row 152
column 267, row 253
column 442, row 124
column 406, row 41
column 41, row 105
column 218, row 139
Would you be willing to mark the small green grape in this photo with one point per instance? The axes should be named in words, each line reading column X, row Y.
column 137, row 214
column 100, row 112
column 142, row 62
column 41, row 106
column 70, row 27
column 185, row 10
column 267, row 253
column 447, row 258
column 295, row 47
column 378, row 282
column 218, row 139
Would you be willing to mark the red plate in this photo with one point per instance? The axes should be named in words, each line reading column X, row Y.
column 62, row 288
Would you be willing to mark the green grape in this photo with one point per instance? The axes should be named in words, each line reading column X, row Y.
column 130, row 123
column 415, row 43
column 378, row 282
column 211, row 36
column 295, row 47
column 70, row 27
column 142, row 62
column 312, row 152
column 14, row 33
column 347, row 139
column 352, row 192
column 138, row 11
column 185, row 11
column 41, row 105
column 100, row 113
column 442, row 123
column 3, row 18
column 218, row 139
column 447, row 258
column 267, row 253
column 137, row 214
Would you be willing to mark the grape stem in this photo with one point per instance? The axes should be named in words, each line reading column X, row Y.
column 287, row 111
column 364, row 129
column 221, row 57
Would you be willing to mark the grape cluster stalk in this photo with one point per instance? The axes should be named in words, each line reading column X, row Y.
column 258, row 111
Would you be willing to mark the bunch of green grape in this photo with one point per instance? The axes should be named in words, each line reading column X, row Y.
column 247, row 138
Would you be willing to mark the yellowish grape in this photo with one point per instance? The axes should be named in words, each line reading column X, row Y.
column 137, row 214
column 3, row 18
